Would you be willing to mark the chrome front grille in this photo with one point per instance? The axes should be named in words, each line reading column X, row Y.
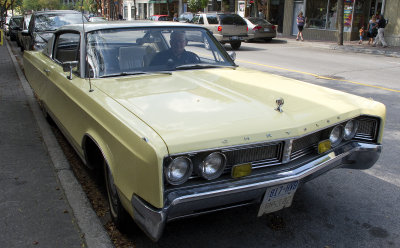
column 367, row 129
column 307, row 144
column 261, row 155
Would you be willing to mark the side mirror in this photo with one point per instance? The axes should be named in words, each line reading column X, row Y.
column 25, row 33
column 233, row 55
column 68, row 66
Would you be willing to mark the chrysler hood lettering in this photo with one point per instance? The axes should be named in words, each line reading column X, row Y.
column 198, row 109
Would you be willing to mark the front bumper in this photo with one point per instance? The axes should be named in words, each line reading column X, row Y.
column 188, row 202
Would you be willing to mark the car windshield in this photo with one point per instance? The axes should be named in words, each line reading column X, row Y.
column 15, row 21
column 121, row 52
column 258, row 21
column 231, row 19
column 50, row 22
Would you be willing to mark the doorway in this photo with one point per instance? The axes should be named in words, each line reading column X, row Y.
column 298, row 6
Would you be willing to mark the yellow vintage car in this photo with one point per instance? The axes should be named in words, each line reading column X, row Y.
column 180, row 130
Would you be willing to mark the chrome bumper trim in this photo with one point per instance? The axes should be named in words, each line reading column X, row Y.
column 180, row 203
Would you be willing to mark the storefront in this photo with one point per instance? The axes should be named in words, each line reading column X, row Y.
column 322, row 17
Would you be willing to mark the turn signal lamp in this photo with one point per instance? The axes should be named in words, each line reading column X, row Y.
column 219, row 28
column 241, row 170
column 256, row 28
column 324, row 146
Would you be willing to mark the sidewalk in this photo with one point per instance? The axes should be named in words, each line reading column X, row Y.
column 350, row 46
column 41, row 203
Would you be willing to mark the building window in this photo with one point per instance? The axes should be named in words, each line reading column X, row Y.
column 322, row 14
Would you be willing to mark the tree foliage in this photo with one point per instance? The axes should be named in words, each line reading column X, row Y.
column 197, row 5
column 91, row 6
column 41, row 4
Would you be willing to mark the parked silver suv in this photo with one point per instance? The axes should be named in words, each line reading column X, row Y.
column 226, row 27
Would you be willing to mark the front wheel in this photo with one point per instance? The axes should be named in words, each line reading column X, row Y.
column 118, row 214
column 236, row 44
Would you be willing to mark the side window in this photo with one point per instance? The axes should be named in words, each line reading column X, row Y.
column 66, row 47
column 195, row 19
column 237, row 20
column 201, row 20
column 212, row 19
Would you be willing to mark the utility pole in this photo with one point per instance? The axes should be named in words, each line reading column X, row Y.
column 340, row 5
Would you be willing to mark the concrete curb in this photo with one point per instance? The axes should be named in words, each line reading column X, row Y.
column 366, row 50
column 347, row 47
column 87, row 220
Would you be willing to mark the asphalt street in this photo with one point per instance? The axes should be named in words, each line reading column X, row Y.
column 343, row 208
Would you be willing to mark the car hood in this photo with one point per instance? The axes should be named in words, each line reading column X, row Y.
column 194, row 110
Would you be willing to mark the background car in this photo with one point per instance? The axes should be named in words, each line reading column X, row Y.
column 226, row 27
column 97, row 19
column 185, row 17
column 160, row 18
column 23, row 40
column 6, row 24
column 14, row 26
column 260, row 29
column 186, row 137
column 43, row 24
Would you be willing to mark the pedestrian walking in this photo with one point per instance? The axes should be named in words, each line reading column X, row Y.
column 301, row 20
column 261, row 14
column 361, row 35
column 381, row 32
column 372, row 30
column 175, row 19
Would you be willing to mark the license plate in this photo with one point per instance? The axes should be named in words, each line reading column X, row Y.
column 266, row 29
column 234, row 38
column 278, row 197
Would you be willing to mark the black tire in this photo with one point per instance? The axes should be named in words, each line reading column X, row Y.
column 118, row 214
column 236, row 45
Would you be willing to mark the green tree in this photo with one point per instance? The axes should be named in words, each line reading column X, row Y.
column 6, row 5
column 197, row 5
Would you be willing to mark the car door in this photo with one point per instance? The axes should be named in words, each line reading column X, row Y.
column 62, row 95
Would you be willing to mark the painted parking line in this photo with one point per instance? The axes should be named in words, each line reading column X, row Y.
column 318, row 76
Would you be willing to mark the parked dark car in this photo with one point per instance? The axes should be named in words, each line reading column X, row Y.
column 44, row 23
column 22, row 40
column 14, row 26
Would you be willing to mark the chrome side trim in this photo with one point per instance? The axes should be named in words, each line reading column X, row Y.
column 183, row 203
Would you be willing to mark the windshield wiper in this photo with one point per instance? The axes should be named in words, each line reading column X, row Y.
column 201, row 66
column 120, row 74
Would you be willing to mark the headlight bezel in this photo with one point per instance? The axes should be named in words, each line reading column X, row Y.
column 339, row 139
column 200, row 167
column 186, row 175
column 353, row 131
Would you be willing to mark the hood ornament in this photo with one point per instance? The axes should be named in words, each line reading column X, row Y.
column 280, row 103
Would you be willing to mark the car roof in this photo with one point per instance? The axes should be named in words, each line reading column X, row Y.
column 123, row 24
column 56, row 12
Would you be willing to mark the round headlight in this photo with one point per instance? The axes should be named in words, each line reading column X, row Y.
column 212, row 166
column 178, row 171
column 336, row 135
column 350, row 129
